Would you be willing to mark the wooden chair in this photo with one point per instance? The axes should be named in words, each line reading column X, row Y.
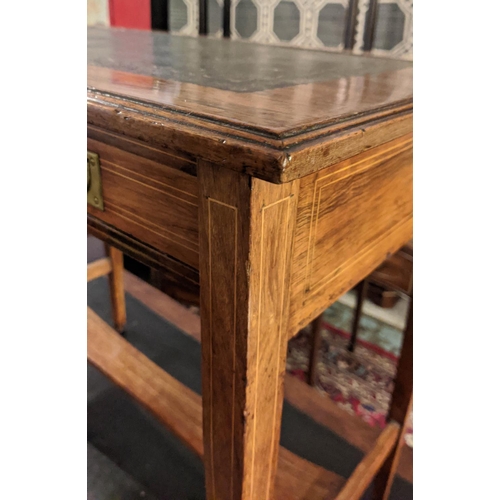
column 112, row 266
column 395, row 274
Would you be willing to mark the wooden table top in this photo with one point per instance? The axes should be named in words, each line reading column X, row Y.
column 278, row 98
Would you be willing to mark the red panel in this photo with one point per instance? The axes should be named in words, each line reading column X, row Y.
column 130, row 13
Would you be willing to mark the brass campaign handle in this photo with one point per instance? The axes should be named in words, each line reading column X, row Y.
column 94, row 184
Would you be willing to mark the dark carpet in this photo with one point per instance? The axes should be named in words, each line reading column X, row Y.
column 131, row 438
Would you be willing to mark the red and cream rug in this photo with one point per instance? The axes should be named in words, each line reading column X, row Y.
column 360, row 382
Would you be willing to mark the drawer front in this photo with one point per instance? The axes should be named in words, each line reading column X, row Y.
column 151, row 201
column 349, row 218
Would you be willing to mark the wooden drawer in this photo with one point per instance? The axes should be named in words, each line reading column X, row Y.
column 350, row 217
column 149, row 200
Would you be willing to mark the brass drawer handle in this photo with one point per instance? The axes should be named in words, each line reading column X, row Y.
column 94, row 184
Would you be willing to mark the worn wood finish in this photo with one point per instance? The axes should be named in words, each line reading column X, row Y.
column 149, row 200
column 246, row 239
column 178, row 273
column 349, row 218
column 98, row 268
column 180, row 409
column 396, row 273
column 164, row 156
column 263, row 110
column 391, row 466
column 284, row 175
column 362, row 476
column 298, row 478
column 165, row 70
column 399, row 411
column 277, row 160
column 116, row 288
column 308, row 400
column 335, row 227
column 173, row 404
column 303, row 397
column 172, row 289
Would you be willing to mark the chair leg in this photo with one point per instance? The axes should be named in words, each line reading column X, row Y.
column 117, row 289
column 361, row 290
column 315, row 345
column 399, row 411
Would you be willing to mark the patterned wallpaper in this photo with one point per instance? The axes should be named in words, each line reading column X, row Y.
column 302, row 23
column 393, row 30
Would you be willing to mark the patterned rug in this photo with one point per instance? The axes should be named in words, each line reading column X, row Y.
column 360, row 382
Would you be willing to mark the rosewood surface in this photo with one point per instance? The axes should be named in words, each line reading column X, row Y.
column 275, row 113
column 274, row 180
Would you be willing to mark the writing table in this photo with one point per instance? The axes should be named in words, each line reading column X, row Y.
column 270, row 179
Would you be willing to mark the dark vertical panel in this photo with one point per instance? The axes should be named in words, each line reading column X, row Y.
column 203, row 28
column 371, row 21
column 226, row 20
column 159, row 15
column 350, row 24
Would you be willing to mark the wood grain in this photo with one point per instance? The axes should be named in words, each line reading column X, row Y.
column 246, row 236
column 270, row 89
column 297, row 112
column 362, row 476
column 98, row 268
column 173, row 404
column 298, row 478
column 305, row 398
column 276, row 160
column 396, row 273
column 399, row 411
column 178, row 273
column 334, row 229
column 164, row 155
column 180, row 409
column 350, row 217
column 116, row 289
column 305, row 185
column 354, row 430
column 151, row 201
column 335, row 146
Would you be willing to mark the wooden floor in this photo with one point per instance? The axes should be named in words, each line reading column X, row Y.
column 299, row 394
